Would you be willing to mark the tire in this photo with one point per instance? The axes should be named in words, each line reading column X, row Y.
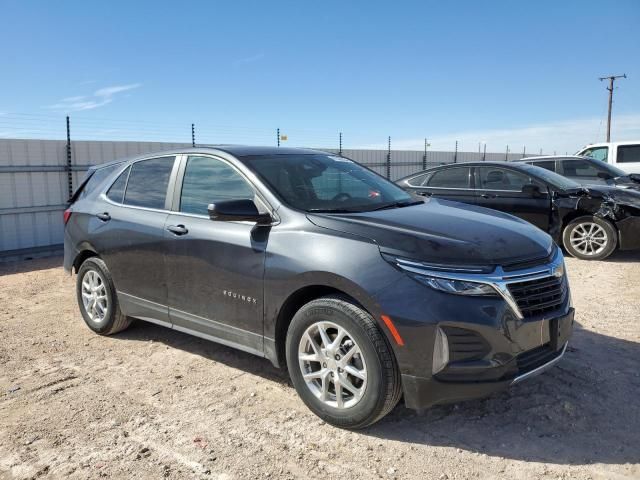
column 105, row 318
column 374, row 396
column 590, row 238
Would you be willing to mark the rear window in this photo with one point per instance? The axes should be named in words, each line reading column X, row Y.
column 547, row 165
column 148, row 182
column 628, row 154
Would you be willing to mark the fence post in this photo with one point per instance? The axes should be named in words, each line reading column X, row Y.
column 506, row 155
column 340, row 146
column 389, row 158
column 69, row 173
column 424, row 157
column 455, row 153
column 484, row 153
column 524, row 151
column 278, row 135
column 193, row 135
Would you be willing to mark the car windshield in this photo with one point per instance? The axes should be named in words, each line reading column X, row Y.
column 554, row 179
column 326, row 183
column 614, row 171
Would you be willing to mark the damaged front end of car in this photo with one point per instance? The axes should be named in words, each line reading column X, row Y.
column 621, row 207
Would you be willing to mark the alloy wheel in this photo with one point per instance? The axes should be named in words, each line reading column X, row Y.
column 332, row 365
column 589, row 238
column 94, row 296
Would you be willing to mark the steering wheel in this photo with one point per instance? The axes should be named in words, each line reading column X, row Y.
column 341, row 197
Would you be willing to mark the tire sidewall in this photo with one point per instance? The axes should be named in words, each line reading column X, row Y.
column 97, row 266
column 373, row 398
column 612, row 239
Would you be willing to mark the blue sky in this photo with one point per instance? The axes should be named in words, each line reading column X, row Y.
column 523, row 73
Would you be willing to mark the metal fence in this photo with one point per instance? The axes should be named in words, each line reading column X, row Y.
column 36, row 177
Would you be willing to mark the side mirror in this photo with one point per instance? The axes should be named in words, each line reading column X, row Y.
column 531, row 190
column 238, row 210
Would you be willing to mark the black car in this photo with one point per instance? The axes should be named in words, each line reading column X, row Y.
column 590, row 222
column 586, row 171
column 311, row 260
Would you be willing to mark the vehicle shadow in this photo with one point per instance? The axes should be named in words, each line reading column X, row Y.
column 231, row 357
column 585, row 410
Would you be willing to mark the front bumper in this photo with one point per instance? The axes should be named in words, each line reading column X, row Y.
column 629, row 233
column 424, row 392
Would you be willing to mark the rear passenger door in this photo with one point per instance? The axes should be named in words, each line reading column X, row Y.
column 129, row 236
column 451, row 183
column 215, row 269
column 502, row 189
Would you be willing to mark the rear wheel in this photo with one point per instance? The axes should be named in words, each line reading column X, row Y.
column 340, row 363
column 97, row 298
column 590, row 238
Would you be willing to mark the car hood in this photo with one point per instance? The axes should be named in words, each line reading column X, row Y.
column 444, row 232
column 626, row 196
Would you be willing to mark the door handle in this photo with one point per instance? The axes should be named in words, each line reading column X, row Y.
column 178, row 229
column 488, row 195
column 425, row 194
column 105, row 217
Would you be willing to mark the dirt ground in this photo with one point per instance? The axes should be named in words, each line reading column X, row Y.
column 153, row 403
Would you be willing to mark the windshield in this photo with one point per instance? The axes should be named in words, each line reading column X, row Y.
column 614, row 171
column 326, row 183
column 558, row 181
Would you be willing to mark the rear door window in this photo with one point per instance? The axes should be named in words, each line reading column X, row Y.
column 628, row 154
column 450, row 178
column 148, row 182
column 491, row 178
column 547, row 165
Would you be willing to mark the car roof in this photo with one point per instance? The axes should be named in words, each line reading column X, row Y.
column 235, row 150
column 555, row 157
column 512, row 164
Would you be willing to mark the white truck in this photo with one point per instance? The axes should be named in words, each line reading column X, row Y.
column 624, row 155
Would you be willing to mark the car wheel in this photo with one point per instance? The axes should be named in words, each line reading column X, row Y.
column 97, row 298
column 341, row 364
column 590, row 238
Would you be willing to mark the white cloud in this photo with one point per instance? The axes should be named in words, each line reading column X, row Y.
column 251, row 59
column 559, row 136
column 99, row 98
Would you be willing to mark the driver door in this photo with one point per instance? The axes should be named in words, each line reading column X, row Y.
column 215, row 268
column 501, row 189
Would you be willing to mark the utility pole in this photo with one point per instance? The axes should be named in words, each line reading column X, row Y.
column 611, row 78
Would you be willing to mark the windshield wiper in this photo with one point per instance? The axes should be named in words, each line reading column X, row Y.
column 332, row 210
column 406, row 203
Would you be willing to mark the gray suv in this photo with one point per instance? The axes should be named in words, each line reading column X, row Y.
column 362, row 291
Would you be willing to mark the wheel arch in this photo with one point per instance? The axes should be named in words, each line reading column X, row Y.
column 83, row 254
column 291, row 305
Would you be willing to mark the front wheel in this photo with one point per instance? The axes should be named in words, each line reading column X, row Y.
column 340, row 363
column 589, row 238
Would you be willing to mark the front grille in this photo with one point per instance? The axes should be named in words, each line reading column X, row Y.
column 535, row 297
column 535, row 358
column 465, row 344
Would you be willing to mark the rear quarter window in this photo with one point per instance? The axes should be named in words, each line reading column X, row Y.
column 94, row 180
column 628, row 154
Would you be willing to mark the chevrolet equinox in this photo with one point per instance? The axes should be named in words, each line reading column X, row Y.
column 363, row 291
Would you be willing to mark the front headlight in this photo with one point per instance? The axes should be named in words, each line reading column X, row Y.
column 458, row 287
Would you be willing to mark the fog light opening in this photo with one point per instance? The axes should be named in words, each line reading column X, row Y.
column 440, row 351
